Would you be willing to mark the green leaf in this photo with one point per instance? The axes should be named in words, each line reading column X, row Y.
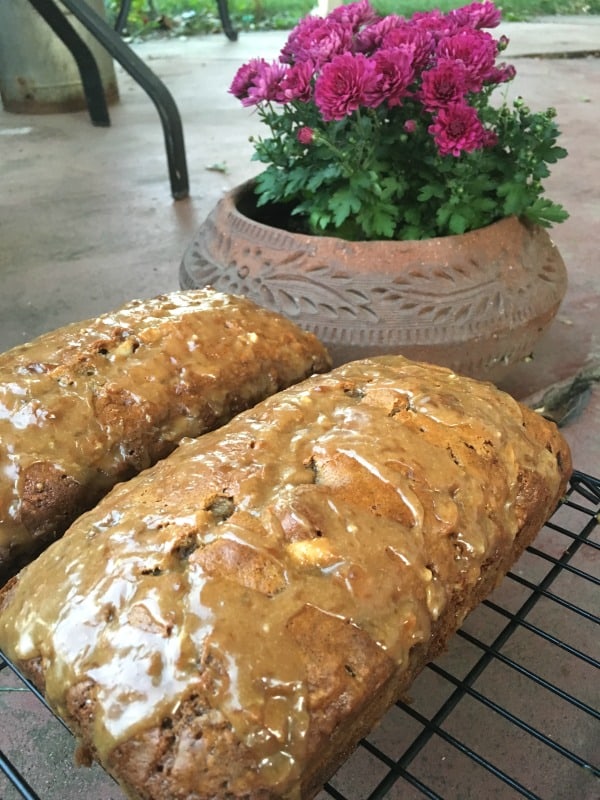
column 412, row 232
column 429, row 191
column 515, row 198
column 553, row 154
column 546, row 213
column 457, row 223
column 343, row 203
column 319, row 177
column 442, row 216
column 383, row 223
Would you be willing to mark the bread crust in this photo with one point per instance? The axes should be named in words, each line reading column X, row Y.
column 95, row 402
column 251, row 606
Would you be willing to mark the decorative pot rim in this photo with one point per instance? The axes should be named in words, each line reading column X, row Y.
column 231, row 198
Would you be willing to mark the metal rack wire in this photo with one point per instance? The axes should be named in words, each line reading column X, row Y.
column 511, row 710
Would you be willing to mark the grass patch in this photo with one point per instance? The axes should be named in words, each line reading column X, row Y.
column 148, row 17
column 511, row 9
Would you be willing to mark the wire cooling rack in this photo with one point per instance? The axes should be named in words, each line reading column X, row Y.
column 510, row 711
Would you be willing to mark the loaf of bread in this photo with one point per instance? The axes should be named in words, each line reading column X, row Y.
column 231, row 622
column 93, row 403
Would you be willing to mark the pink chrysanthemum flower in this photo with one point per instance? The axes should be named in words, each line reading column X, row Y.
column 244, row 77
column 354, row 14
column 304, row 31
column 477, row 15
column 421, row 40
column 457, row 129
column 371, row 37
column 502, row 74
column 476, row 50
column 267, row 84
column 443, row 84
column 435, row 22
column 305, row 135
column 258, row 81
column 344, row 84
column 316, row 40
column 394, row 75
column 296, row 84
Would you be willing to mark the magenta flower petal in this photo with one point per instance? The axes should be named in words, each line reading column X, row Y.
column 372, row 36
column 443, row 84
column 395, row 73
column 316, row 40
column 477, row 51
column 422, row 42
column 502, row 74
column 296, row 84
column 477, row 15
column 354, row 14
column 244, row 78
column 305, row 135
column 258, row 81
column 457, row 129
column 345, row 83
column 435, row 22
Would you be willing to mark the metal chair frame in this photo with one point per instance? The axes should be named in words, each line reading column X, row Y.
column 111, row 40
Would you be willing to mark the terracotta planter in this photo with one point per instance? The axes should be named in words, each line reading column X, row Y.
column 476, row 303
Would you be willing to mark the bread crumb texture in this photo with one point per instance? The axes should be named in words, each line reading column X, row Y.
column 96, row 402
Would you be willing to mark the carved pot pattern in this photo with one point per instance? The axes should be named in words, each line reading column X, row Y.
column 477, row 302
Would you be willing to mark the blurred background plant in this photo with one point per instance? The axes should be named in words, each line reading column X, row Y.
column 188, row 17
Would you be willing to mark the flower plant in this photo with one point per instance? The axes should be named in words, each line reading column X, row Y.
column 384, row 127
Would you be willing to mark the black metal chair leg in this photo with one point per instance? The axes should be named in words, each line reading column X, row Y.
column 121, row 19
column 16, row 779
column 86, row 63
column 230, row 31
column 152, row 85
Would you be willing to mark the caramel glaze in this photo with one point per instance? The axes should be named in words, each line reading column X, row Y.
column 95, row 402
column 214, row 621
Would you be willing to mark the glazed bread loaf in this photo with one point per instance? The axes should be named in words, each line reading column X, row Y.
column 231, row 622
column 95, row 402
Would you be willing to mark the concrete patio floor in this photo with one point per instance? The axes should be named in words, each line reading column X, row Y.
column 87, row 222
